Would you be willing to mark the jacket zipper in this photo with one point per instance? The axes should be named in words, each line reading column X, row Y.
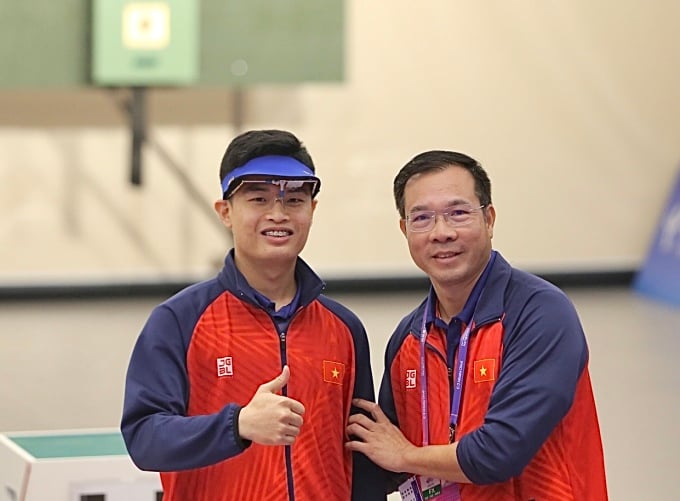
column 287, row 451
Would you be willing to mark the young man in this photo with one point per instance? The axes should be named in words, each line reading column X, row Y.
column 240, row 387
column 487, row 380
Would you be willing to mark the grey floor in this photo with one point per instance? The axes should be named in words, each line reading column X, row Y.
column 62, row 366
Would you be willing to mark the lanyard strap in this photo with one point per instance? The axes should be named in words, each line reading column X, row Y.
column 459, row 376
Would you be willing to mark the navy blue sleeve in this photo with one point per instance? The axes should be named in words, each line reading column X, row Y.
column 368, row 482
column 158, row 434
column 544, row 355
column 367, row 478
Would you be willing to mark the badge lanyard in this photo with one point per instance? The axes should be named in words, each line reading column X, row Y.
column 459, row 375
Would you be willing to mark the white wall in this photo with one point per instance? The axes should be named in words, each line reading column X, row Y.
column 572, row 107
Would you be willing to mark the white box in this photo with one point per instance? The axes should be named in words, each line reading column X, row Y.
column 70, row 465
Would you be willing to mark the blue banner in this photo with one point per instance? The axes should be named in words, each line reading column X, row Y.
column 659, row 277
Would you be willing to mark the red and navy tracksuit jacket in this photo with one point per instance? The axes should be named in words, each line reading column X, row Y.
column 528, row 427
column 202, row 355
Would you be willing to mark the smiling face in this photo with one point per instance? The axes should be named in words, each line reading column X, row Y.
column 269, row 228
column 453, row 257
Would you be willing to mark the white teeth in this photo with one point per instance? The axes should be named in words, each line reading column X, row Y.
column 278, row 233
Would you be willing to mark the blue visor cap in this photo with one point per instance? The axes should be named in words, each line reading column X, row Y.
column 274, row 166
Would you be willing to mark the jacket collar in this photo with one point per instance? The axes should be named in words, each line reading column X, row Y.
column 491, row 303
column 309, row 284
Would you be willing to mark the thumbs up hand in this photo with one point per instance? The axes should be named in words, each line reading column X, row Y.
column 269, row 418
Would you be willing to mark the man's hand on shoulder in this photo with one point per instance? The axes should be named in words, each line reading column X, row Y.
column 377, row 438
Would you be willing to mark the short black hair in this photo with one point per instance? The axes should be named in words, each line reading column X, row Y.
column 439, row 160
column 259, row 143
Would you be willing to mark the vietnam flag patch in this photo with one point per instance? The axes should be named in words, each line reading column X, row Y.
column 333, row 372
column 485, row 370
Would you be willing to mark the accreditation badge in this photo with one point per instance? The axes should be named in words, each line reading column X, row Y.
column 419, row 488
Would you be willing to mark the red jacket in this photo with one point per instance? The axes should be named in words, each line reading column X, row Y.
column 528, row 427
column 201, row 357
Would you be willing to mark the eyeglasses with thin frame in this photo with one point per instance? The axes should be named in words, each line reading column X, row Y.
column 292, row 193
column 457, row 215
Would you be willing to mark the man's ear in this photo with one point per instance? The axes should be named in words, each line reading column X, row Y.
column 402, row 226
column 490, row 219
column 223, row 209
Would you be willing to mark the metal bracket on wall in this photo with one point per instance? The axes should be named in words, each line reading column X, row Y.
column 135, row 109
column 137, row 112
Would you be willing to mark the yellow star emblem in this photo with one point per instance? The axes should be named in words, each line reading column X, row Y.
column 485, row 370
column 333, row 372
